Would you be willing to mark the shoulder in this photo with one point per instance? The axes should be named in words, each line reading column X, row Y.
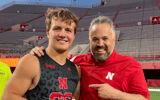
column 28, row 60
column 75, row 67
column 72, row 65
column 133, row 63
column 132, row 66
column 28, row 64
column 4, row 66
column 127, row 60
column 128, row 64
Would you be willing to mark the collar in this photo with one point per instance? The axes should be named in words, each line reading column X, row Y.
column 110, row 59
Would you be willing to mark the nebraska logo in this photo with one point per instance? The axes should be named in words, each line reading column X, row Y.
column 63, row 83
column 50, row 66
column 110, row 75
column 59, row 95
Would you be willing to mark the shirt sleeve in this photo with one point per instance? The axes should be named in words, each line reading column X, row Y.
column 135, row 81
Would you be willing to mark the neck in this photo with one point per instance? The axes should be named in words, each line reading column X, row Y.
column 59, row 57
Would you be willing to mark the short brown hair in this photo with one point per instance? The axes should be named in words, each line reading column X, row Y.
column 64, row 14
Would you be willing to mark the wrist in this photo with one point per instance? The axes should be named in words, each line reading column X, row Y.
column 118, row 95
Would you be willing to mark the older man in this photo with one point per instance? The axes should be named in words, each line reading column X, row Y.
column 104, row 73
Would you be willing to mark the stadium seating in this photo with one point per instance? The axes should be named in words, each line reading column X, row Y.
column 11, row 19
column 133, row 22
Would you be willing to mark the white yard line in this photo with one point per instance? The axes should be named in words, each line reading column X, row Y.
column 158, row 90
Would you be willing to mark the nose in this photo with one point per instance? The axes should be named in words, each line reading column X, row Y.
column 62, row 33
column 100, row 42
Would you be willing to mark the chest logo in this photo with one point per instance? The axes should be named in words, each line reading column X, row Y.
column 63, row 83
column 69, row 69
column 110, row 75
column 60, row 95
column 2, row 72
column 50, row 66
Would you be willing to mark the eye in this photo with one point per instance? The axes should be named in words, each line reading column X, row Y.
column 68, row 30
column 105, row 39
column 57, row 28
column 95, row 39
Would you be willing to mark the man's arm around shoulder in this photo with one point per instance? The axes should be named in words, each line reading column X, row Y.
column 21, row 80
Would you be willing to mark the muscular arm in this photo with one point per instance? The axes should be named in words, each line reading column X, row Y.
column 77, row 91
column 22, row 78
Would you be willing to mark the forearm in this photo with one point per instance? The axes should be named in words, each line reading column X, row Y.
column 76, row 97
column 128, row 96
column 12, row 96
column 77, row 92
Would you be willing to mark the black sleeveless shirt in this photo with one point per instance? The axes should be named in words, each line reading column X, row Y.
column 56, row 82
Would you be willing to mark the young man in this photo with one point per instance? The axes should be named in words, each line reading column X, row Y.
column 52, row 76
column 5, row 74
column 106, row 74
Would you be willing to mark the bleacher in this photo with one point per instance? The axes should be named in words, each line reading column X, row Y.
column 27, row 9
column 137, row 12
column 103, row 9
column 139, row 32
column 38, row 24
column 129, row 16
column 11, row 19
column 80, row 38
column 79, row 12
column 95, row 12
column 16, row 37
column 126, row 21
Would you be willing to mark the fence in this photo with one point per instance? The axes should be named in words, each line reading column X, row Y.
column 139, row 56
column 144, row 56
column 129, row 24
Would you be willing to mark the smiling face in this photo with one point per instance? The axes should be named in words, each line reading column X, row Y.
column 102, row 41
column 61, row 35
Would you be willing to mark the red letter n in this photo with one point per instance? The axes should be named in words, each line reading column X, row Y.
column 63, row 83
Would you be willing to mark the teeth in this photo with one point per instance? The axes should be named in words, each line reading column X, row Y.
column 62, row 41
column 100, row 49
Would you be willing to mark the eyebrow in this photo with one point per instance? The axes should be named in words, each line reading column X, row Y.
column 57, row 27
column 69, row 28
column 61, row 27
column 105, row 37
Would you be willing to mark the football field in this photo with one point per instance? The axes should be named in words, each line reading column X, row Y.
column 154, row 93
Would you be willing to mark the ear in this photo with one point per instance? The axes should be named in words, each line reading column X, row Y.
column 47, row 33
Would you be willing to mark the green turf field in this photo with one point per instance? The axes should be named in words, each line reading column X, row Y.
column 154, row 93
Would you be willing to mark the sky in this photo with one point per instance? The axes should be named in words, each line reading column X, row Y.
column 83, row 2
